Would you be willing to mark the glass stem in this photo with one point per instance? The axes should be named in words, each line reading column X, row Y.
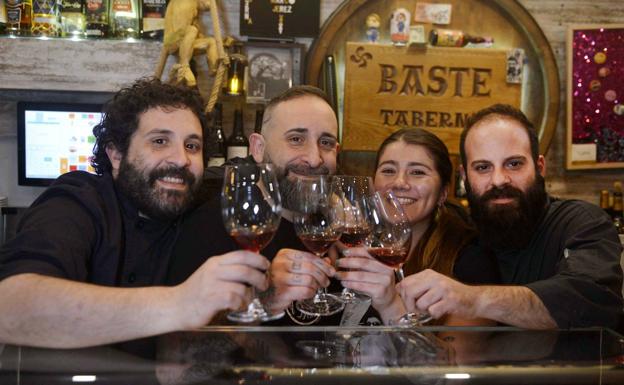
column 320, row 295
column 398, row 274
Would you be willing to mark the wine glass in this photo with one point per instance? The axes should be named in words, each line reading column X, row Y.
column 318, row 220
column 251, row 209
column 354, row 192
column 389, row 240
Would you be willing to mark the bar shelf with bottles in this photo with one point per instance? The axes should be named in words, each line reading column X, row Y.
column 80, row 19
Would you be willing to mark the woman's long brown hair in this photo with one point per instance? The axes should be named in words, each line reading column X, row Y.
column 448, row 233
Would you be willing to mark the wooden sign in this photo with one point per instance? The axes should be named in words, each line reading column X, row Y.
column 388, row 88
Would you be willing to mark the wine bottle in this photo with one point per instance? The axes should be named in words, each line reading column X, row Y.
column 454, row 38
column 73, row 23
column 258, row 124
column 96, row 16
column 45, row 19
column 124, row 18
column 618, row 205
column 217, row 158
column 153, row 19
column 237, row 143
column 19, row 16
column 604, row 202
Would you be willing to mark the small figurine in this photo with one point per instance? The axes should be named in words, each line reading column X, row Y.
column 373, row 22
column 183, row 38
column 400, row 26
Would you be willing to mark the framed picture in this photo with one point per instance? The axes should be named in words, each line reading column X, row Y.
column 272, row 68
column 595, row 97
column 279, row 19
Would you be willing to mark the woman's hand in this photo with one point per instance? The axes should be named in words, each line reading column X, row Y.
column 372, row 278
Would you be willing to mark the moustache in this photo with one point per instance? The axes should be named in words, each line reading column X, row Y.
column 175, row 172
column 508, row 192
column 303, row 169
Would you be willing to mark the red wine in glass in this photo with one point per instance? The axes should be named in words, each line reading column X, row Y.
column 318, row 243
column 252, row 240
column 251, row 210
column 354, row 236
column 318, row 221
column 393, row 257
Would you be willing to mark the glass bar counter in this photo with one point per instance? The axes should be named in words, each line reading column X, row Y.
column 331, row 355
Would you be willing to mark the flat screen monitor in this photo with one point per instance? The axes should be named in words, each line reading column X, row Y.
column 54, row 138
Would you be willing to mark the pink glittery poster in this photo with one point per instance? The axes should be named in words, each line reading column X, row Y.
column 596, row 71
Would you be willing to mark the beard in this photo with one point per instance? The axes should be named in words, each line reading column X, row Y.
column 156, row 202
column 508, row 226
column 288, row 185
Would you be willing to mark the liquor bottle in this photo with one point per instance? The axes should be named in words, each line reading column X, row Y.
column 73, row 23
column 454, row 38
column 604, row 202
column 19, row 16
column 618, row 205
column 3, row 17
column 258, row 124
column 153, row 19
column 46, row 18
column 217, row 158
column 96, row 16
column 124, row 18
column 237, row 143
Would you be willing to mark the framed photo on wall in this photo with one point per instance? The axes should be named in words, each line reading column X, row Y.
column 272, row 68
column 595, row 97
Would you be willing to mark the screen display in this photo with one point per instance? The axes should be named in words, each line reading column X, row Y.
column 55, row 139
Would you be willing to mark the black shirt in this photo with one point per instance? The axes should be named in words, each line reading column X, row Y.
column 572, row 263
column 81, row 228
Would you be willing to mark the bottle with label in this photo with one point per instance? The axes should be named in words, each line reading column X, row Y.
column 604, row 202
column 237, row 143
column 96, row 16
column 46, row 18
column 124, row 18
column 217, row 158
column 454, row 38
column 73, row 23
column 153, row 19
column 19, row 17
column 258, row 124
column 3, row 17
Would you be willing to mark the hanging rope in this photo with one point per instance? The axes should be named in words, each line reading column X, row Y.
column 223, row 60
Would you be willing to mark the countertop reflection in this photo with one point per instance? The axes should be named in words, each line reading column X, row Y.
column 317, row 355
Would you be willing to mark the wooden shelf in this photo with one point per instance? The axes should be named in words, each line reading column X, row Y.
column 67, row 65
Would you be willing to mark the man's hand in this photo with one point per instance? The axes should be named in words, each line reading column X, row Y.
column 369, row 276
column 220, row 284
column 439, row 295
column 296, row 275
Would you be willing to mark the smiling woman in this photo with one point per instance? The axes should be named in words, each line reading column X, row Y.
column 415, row 165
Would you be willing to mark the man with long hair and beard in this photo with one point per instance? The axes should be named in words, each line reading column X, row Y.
column 90, row 256
column 559, row 259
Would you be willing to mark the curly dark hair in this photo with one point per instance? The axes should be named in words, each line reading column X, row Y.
column 121, row 115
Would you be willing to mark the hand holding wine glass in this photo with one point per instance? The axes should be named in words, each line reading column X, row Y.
column 354, row 191
column 251, row 208
column 318, row 220
column 389, row 240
